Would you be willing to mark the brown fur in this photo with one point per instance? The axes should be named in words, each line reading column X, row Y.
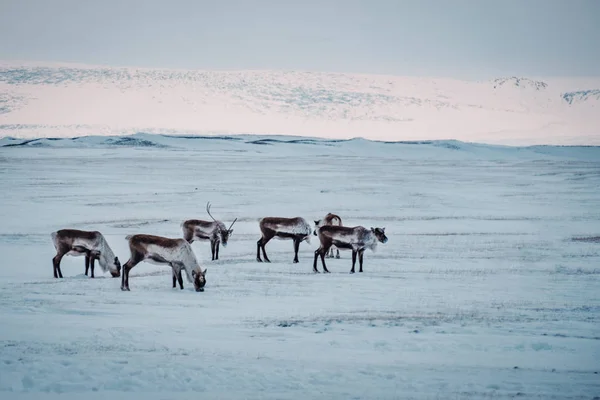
column 65, row 239
column 330, row 219
column 270, row 227
column 138, row 246
column 357, row 239
column 213, row 231
column 141, row 241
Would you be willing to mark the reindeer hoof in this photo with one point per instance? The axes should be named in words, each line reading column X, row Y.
column 351, row 272
column 123, row 288
column 295, row 261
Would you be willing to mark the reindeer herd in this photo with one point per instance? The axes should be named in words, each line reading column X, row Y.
column 178, row 253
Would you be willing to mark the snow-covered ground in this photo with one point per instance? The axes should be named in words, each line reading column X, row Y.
column 487, row 288
column 49, row 100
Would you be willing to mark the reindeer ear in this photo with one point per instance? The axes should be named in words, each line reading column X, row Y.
column 317, row 222
column 204, row 273
column 372, row 230
column 383, row 229
column 116, row 259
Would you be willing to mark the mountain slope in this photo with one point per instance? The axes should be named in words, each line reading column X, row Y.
column 66, row 101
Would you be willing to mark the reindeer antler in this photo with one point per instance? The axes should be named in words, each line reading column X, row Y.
column 208, row 211
column 231, row 226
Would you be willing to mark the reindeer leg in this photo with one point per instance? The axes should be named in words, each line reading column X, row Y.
column 265, row 240
column 337, row 253
column 174, row 277
column 296, row 248
column 353, row 260
column 59, row 271
column 325, row 270
column 315, row 261
column 56, row 263
column 132, row 262
column 258, row 245
column 87, row 264
column 180, row 279
column 92, row 265
column 360, row 260
column 217, row 249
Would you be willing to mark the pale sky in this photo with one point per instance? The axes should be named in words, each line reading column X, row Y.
column 453, row 38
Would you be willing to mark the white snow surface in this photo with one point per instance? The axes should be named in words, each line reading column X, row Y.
column 487, row 288
column 68, row 100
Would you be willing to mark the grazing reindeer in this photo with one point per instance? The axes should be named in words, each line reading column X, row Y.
column 92, row 244
column 214, row 230
column 296, row 229
column 330, row 219
column 357, row 238
column 160, row 250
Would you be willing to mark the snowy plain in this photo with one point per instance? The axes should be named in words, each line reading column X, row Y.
column 487, row 288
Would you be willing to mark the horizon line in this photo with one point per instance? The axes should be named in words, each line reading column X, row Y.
column 225, row 136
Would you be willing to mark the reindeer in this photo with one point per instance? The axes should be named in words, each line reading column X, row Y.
column 214, row 230
column 357, row 238
column 330, row 219
column 92, row 244
column 296, row 229
column 160, row 250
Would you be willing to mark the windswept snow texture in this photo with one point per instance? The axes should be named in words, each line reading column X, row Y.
column 487, row 288
column 38, row 100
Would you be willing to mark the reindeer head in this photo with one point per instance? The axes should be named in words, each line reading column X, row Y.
column 115, row 268
column 199, row 280
column 380, row 234
column 223, row 233
column 317, row 226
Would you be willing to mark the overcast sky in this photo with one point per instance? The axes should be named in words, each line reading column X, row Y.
column 454, row 38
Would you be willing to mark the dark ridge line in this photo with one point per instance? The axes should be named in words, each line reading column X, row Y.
column 451, row 144
column 197, row 137
column 25, row 143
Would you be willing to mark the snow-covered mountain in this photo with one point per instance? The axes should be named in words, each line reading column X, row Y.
column 593, row 96
column 38, row 100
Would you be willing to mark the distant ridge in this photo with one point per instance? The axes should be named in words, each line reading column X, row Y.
column 281, row 146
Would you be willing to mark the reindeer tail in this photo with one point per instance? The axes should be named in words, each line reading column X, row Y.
column 128, row 237
column 54, row 236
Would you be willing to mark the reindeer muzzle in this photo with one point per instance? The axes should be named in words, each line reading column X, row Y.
column 200, row 289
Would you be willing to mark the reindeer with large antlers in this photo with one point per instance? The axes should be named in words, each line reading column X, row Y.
column 214, row 231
